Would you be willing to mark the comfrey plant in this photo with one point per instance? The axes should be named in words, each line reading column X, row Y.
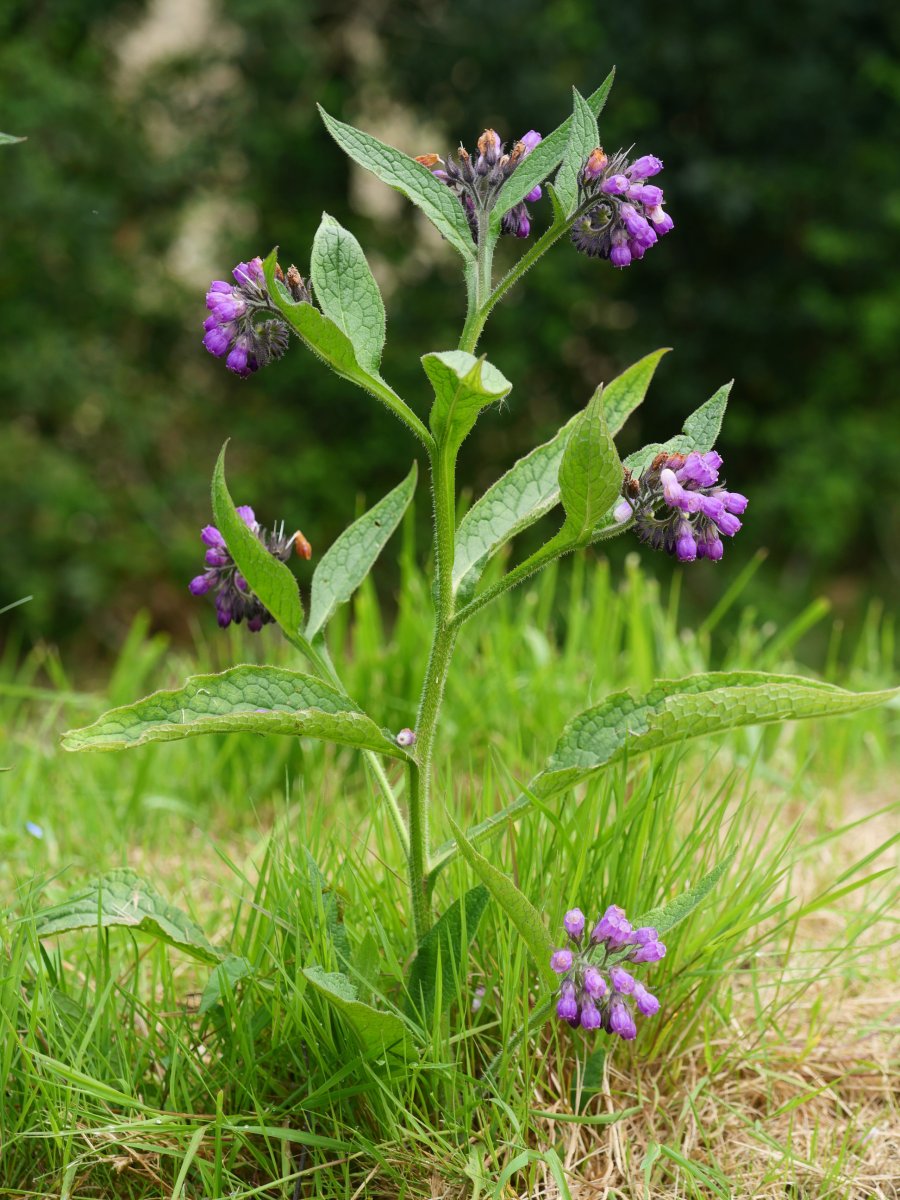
column 671, row 495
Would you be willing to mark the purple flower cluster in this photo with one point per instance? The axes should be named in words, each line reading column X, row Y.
column 596, row 990
column 478, row 183
column 234, row 600
column 628, row 217
column 232, row 330
column 680, row 505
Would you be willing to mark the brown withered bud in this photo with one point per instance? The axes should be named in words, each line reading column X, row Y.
column 297, row 286
column 279, row 274
column 428, row 160
column 302, row 546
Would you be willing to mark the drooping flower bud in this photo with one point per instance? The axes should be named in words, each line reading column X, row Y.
column 567, row 1005
column 621, row 1021
column 406, row 737
column 621, row 980
column 646, row 1002
column 644, row 167
column 561, row 961
column 574, row 923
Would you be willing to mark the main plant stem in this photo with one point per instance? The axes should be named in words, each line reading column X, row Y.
column 443, row 477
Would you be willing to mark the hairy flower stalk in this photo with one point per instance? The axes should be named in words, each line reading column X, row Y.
column 234, row 600
column 628, row 217
column 681, row 506
column 477, row 183
column 596, row 989
column 233, row 330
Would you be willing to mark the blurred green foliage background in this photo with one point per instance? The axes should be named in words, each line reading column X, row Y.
column 168, row 139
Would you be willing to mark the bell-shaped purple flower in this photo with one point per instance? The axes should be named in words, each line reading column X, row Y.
column 201, row 584
column 567, row 1005
column 621, row 980
column 590, row 1014
column 649, row 952
column 646, row 1002
column 621, row 1021
column 644, row 167
column 561, row 961
column 643, row 935
column 614, row 185
column 594, row 983
column 573, row 922
column 612, row 928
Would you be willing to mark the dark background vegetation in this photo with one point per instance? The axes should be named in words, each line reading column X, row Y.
column 166, row 141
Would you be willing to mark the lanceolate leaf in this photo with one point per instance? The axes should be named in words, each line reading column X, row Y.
column 408, row 177
column 329, row 343
column 545, row 158
column 530, row 488
column 121, row 897
column 347, row 292
column 442, row 950
column 463, row 386
column 514, row 903
column 676, row 710
column 242, row 699
column 666, row 916
column 347, row 562
column 7, row 139
column 376, row 1029
column 583, row 138
column 590, row 474
column 700, row 431
column 269, row 578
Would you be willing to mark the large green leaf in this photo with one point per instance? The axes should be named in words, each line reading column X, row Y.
column 121, row 897
column 242, row 699
column 410, row 178
column 680, row 709
column 347, row 292
column 347, row 562
column 514, row 903
column 376, row 1029
column 463, row 386
column 269, row 578
column 590, row 474
column 699, row 432
column 666, row 916
column 441, row 952
column 544, row 159
column 329, row 343
column 583, row 139
column 530, row 488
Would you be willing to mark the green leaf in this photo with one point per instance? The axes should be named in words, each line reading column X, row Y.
column 270, row 579
column 590, row 474
column 329, row 343
column 680, row 709
column 666, row 916
column 230, row 970
column 347, row 292
column 121, row 897
column 443, row 949
column 376, row 1029
column 530, row 488
column 463, row 386
column 347, row 562
column 699, row 432
column 544, row 159
column 583, row 139
column 248, row 699
column 514, row 903
column 627, row 391
column 7, row 139
column 410, row 178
